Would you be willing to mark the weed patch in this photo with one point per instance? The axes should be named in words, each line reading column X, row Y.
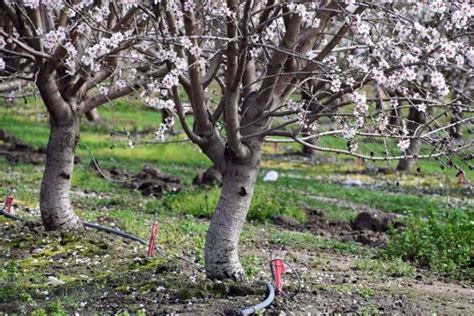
column 393, row 268
column 442, row 241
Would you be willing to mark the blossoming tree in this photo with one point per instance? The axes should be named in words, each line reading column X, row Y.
column 245, row 64
column 79, row 54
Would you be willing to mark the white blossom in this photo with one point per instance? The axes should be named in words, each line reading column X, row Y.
column 196, row 51
column 170, row 81
column 360, row 101
column 437, row 81
column 55, row 37
column 379, row 76
column 403, row 144
column 348, row 132
column 335, row 85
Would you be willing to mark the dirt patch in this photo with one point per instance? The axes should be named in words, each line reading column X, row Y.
column 212, row 176
column 343, row 231
column 368, row 228
column 16, row 151
column 374, row 221
column 149, row 181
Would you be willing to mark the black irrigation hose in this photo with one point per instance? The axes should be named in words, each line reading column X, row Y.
column 124, row 235
column 12, row 216
column 271, row 293
column 95, row 226
column 268, row 300
column 109, row 231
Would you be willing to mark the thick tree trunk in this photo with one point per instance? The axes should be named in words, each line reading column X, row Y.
column 93, row 116
column 55, row 204
column 308, row 151
column 394, row 119
column 416, row 118
column 221, row 250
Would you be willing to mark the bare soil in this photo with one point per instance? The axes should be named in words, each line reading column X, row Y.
column 149, row 181
column 16, row 151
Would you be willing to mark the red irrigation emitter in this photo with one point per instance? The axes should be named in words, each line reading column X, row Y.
column 278, row 268
column 9, row 203
column 153, row 235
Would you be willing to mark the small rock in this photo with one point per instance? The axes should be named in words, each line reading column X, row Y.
column 353, row 183
column 53, row 281
column 271, row 175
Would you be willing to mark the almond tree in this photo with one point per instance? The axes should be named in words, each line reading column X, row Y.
column 244, row 65
column 79, row 54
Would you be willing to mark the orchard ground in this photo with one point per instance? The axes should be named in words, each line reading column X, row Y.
column 425, row 265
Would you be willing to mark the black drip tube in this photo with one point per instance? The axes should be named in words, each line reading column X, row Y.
column 268, row 300
column 94, row 226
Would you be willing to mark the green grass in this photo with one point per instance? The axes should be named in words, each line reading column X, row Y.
column 392, row 268
column 311, row 242
column 201, row 203
column 442, row 241
column 386, row 201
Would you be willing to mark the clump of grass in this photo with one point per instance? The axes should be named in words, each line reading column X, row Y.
column 251, row 264
column 311, row 242
column 442, row 241
column 393, row 268
column 268, row 202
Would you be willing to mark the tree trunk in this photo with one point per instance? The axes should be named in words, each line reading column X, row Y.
column 308, row 151
column 55, row 204
column 212, row 176
column 416, row 118
column 406, row 163
column 394, row 119
column 93, row 115
column 221, row 250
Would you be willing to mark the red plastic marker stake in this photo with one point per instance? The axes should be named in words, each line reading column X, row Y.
column 278, row 268
column 151, row 244
column 9, row 203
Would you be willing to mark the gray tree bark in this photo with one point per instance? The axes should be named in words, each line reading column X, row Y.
column 221, row 249
column 93, row 115
column 56, row 209
column 416, row 118
column 308, row 151
column 239, row 176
